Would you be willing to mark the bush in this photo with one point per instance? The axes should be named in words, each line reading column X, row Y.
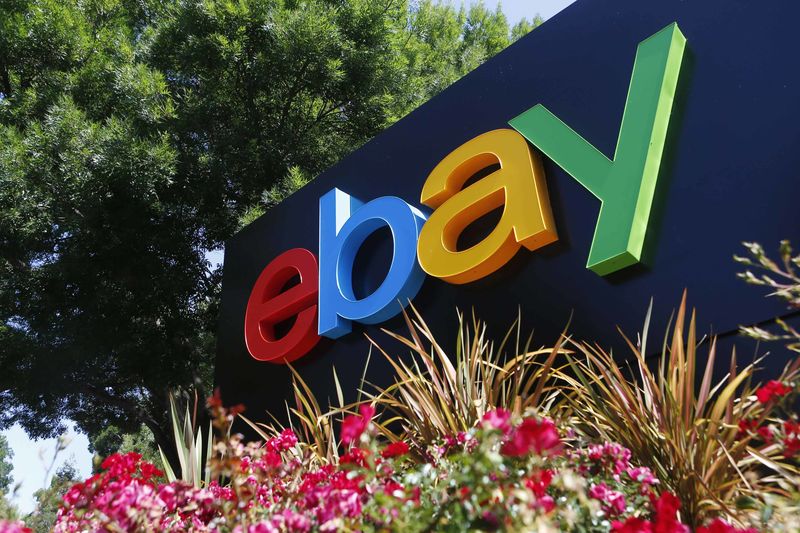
column 510, row 473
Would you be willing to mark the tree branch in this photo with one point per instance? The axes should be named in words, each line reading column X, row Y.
column 293, row 92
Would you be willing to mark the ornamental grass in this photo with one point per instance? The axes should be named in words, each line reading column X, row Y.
column 439, row 393
column 687, row 434
column 312, row 424
column 676, row 419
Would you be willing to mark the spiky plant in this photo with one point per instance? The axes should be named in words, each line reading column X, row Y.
column 684, row 431
column 192, row 450
column 438, row 394
column 312, row 424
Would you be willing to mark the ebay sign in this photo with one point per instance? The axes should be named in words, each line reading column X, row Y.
column 323, row 303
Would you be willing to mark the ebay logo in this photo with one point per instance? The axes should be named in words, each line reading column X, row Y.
column 324, row 304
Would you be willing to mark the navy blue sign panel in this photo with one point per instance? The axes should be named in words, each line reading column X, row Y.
column 729, row 174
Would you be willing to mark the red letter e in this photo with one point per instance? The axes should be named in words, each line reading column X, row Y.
column 269, row 305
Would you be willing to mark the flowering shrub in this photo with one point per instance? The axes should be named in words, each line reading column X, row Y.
column 509, row 474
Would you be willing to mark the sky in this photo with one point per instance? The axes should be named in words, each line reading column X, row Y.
column 518, row 9
column 32, row 458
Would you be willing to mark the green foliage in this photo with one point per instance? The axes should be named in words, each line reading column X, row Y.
column 6, row 466
column 442, row 44
column 192, row 450
column 99, row 288
column 141, row 442
column 523, row 27
column 136, row 136
column 106, row 441
column 48, row 499
column 7, row 510
column 112, row 440
column 293, row 180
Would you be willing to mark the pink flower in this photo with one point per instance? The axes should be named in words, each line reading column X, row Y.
column 745, row 427
column 613, row 501
column 287, row 439
column 290, row 520
column 540, row 436
column 270, row 460
column 546, row 503
column 632, row 525
column 354, row 426
column 149, row 471
column 355, row 456
column 666, row 521
column 395, row 449
column 396, row 490
column 643, row 475
column 720, row 526
column 263, row 527
column 610, row 454
column 13, row 527
column 498, row 419
column 791, row 446
column 121, row 465
column 773, row 389
column 765, row 432
column 667, row 504
column 539, row 481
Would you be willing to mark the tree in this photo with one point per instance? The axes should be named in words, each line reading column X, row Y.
column 137, row 135
column 101, row 290
column 48, row 499
column 7, row 510
column 112, row 440
column 6, row 466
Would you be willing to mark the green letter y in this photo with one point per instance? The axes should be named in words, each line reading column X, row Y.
column 626, row 185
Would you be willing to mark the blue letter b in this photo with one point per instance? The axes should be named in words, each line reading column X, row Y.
column 344, row 224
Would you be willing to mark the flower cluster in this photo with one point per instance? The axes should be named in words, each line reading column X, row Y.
column 772, row 391
column 507, row 473
column 13, row 527
column 665, row 520
column 614, row 481
column 532, row 435
column 781, row 430
column 354, row 426
column 126, row 496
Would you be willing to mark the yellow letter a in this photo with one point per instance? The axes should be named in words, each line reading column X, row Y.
column 518, row 183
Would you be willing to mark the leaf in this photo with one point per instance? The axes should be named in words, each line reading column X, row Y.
column 165, row 465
